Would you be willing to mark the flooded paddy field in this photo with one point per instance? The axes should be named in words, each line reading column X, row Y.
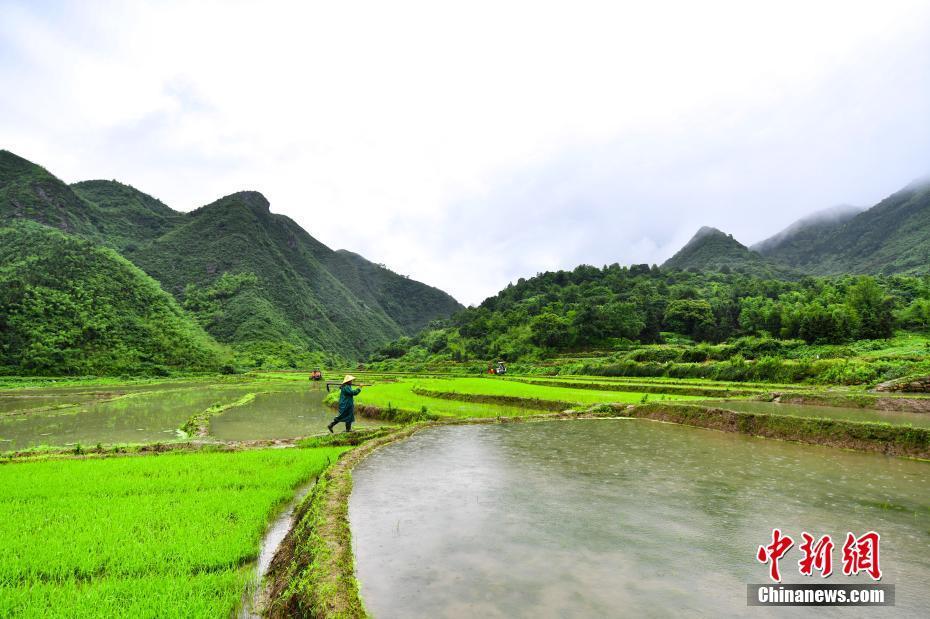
column 146, row 416
column 17, row 404
column 283, row 407
column 609, row 517
column 287, row 406
column 285, row 413
column 919, row 420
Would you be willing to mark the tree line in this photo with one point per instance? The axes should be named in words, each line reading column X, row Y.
column 597, row 308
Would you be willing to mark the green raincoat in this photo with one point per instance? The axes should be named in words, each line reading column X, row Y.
column 347, row 395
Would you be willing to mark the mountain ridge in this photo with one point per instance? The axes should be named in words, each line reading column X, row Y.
column 711, row 249
column 807, row 227
column 893, row 236
column 247, row 274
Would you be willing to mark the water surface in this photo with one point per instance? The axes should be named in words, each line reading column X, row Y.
column 596, row 518
column 17, row 403
column 148, row 416
column 289, row 413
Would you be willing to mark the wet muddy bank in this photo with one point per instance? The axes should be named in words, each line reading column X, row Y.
column 255, row 597
column 389, row 414
column 146, row 449
column 860, row 400
column 313, row 572
column 199, row 424
column 903, row 441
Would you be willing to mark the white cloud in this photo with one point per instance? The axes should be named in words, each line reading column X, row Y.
column 471, row 144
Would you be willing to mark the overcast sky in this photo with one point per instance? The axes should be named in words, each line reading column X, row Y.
column 468, row 144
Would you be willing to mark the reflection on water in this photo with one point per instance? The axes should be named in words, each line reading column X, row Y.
column 832, row 412
column 281, row 414
column 148, row 416
column 616, row 517
column 22, row 403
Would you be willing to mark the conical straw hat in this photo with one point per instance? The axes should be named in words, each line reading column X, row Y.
column 348, row 379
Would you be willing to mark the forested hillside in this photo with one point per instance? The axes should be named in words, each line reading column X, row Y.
column 68, row 306
column 282, row 292
column 601, row 308
column 258, row 282
column 891, row 237
column 402, row 298
column 803, row 234
column 253, row 279
column 28, row 192
column 126, row 217
column 713, row 250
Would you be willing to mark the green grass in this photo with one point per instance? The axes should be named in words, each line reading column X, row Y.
column 492, row 386
column 903, row 345
column 140, row 536
column 664, row 380
column 400, row 395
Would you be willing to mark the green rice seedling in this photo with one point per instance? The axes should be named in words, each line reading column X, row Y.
column 170, row 534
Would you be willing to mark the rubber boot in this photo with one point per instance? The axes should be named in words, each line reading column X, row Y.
column 330, row 427
column 348, row 426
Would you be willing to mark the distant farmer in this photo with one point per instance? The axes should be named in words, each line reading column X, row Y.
column 347, row 395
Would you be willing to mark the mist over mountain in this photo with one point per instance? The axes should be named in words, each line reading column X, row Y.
column 807, row 228
column 891, row 237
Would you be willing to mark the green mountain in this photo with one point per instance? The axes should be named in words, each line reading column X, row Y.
column 28, row 192
column 802, row 234
column 402, row 298
column 69, row 306
column 713, row 250
column 252, row 278
column 292, row 297
column 124, row 216
column 891, row 237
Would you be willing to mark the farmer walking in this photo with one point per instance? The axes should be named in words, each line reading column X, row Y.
column 347, row 395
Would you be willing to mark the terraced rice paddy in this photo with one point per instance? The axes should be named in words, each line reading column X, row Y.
column 657, row 382
column 140, row 536
column 135, row 535
column 500, row 398
column 400, row 395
